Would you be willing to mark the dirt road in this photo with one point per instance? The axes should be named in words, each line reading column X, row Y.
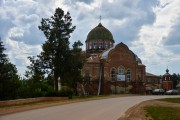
column 104, row 109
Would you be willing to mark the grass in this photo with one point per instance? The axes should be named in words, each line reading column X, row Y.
column 162, row 112
column 173, row 100
column 74, row 99
column 23, row 104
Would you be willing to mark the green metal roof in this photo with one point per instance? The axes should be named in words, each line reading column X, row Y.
column 100, row 32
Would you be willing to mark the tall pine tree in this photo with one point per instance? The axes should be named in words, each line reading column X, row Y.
column 55, row 51
column 9, row 80
column 3, row 57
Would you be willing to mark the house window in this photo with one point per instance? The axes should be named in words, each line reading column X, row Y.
column 128, row 75
column 113, row 74
column 121, row 70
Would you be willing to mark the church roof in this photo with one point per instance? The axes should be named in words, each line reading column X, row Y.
column 167, row 73
column 94, row 59
column 106, row 53
column 100, row 32
column 150, row 74
column 178, row 85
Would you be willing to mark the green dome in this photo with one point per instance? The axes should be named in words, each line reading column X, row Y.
column 100, row 32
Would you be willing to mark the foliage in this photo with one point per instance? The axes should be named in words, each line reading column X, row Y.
column 66, row 92
column 175, row 79
column 55, row 51
column 9, row 80
column 57, row 60
column 3, row 56
column 163, row 113
column 77, row 60
column 35, row 71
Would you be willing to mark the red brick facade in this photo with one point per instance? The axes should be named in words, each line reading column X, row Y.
column 113, row 69
column 117, row 70
column 167, row 81
column 152, row 82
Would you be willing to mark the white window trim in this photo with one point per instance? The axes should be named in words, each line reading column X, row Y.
column 121, row 70
column 129, row 75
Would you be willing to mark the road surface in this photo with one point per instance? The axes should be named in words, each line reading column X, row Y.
column 104, row 109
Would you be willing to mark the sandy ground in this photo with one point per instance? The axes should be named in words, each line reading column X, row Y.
column 137, row 112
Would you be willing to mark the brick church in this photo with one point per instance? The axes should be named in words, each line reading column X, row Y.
column 113, row 69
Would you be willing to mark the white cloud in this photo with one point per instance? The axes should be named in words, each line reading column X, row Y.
column 19, row 52
column 19, row 28
column 152, row 38
column 149, row 27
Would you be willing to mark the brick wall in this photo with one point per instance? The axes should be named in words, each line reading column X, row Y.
column 120, row 56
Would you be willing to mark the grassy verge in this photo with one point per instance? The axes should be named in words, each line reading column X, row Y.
column 74, row 99
column 173, row 100
column 30, row 103
column 163, row 113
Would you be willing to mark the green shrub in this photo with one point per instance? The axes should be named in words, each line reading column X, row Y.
column 66, row 92
column 51, row 92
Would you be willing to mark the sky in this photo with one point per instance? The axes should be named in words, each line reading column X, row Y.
column 150, row 28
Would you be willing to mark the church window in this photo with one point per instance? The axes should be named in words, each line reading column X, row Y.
column 95, row 45
column 139, row 76
column 87, row 75
column 121, row 70
column 111, row 44
column 90, row 45
column 87, row 45
column 128, row 75
column 113, row 74
column 106, row 44
column 100, row 44
column 148, row 80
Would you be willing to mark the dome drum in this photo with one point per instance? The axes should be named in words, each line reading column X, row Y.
column 99, row 39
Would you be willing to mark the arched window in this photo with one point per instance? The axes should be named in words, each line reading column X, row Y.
column 111, row 44
column 87, row 45
column 100, row 44
column 90, row 47
column 95, row 44
column 87, row 75
column 120, row 70
column 106, row 45
column 128, row 75
column 113, row 74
